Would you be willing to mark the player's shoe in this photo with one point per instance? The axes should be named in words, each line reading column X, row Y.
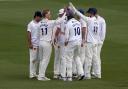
column 56, row 76
column 74, row 76
column 69, row 79
column 43, row 78
column 96, row 76
column 32, row 76
column 64, row 79
column 87, row 76
column 80, row 77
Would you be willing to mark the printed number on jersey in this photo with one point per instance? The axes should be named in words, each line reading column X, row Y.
column 44, row 31
column 95, row 29
column 77, row 31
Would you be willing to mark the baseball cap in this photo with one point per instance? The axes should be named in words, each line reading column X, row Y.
column 81, row 11
column 61, row 11
column 92, row 11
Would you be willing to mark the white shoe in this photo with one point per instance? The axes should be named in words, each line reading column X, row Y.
column 80, row 77
column 43, row 78
column 74, row 76
column 32, row 76
column 64, row 79
column 56, row 76
column 69, row 79
column 96, row 76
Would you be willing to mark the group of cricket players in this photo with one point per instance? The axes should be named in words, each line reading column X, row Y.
column 77, row 40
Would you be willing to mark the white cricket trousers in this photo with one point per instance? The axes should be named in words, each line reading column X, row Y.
column 73, row 51
column 33, row 61
column 82, row 55
column 97, row 70
column 45, row 49
column 82, row 58
column 74, row 70
column 91, row 59
column 63, row 67
column 57, row 60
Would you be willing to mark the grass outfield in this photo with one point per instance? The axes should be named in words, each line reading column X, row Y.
column 14, row 16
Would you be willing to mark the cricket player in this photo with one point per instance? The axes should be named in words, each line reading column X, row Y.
column 84, row 37
column 45, row 43
column 73, row 41
column 101, row 38
column 92, row 36
column 59, row 45
column 32, row 31
column 83, row 45
column 56, row 56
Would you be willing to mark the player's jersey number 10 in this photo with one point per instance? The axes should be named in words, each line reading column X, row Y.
column 77, row 31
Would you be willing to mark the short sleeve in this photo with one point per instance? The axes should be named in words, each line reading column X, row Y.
column 83, row 23
column 29, row 27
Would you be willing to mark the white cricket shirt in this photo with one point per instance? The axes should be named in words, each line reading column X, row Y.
column 93, row 30
column 46, row 28
column 73, row 31
column 102, row 29
column 33, row 28
column 61, row 37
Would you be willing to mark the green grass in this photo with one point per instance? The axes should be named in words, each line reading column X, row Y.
column 14, row 57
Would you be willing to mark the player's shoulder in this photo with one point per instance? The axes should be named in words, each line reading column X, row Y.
column 31, row 22
column 74, row 20
column 101, row 18
column 91, row 18
column 82, row 21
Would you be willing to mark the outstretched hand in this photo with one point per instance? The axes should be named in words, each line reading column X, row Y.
column 70, row 4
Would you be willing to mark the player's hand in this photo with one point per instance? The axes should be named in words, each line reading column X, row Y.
column 54, row 42
column 82, row 45
column 70, row 4
column 31, row 46
column 66, row 43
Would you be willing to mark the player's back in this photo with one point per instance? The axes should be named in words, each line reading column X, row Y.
column 46, row 27
column 93, row 30
column 74, row 28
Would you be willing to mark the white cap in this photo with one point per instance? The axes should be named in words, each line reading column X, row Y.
column 61, row 11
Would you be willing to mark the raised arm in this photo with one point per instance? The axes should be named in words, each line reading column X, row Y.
column 72, row 7
column 59, row 20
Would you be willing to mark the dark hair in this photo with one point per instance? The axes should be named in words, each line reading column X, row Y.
column 38, row 13
column 45, row 12
column 92, row 11
column 81, row 11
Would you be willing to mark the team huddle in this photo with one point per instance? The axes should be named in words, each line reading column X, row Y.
column 77, row 40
